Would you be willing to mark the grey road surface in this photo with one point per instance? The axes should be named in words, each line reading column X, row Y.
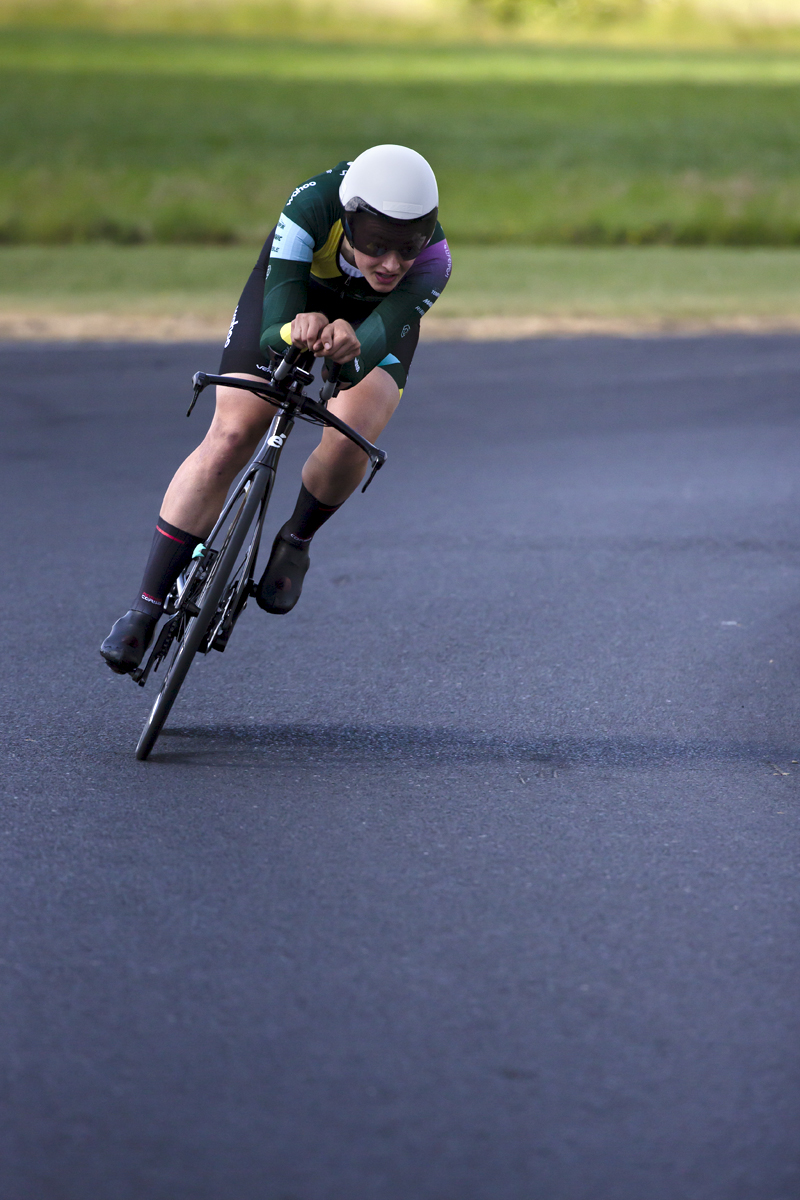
column 474, row 878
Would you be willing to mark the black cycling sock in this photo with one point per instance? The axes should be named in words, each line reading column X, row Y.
column 170, row 554
column 307, row 517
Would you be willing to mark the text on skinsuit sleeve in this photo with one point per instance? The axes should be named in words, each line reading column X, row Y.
column 291, row 241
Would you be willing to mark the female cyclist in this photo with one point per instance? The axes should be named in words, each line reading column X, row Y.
column 355, row 261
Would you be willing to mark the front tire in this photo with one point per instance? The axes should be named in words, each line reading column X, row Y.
column 196, row 627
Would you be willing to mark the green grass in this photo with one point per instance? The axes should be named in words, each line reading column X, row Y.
column 190, row 139
column 656, row 282
column 662, row 282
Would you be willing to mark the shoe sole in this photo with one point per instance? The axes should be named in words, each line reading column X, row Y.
column 117, row 667
column 276, row 612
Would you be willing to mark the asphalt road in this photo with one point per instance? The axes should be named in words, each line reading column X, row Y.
column 474, row 878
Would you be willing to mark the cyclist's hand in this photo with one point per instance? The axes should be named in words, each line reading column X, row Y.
column 338, row 342
column 335, row 339
column 306, row 328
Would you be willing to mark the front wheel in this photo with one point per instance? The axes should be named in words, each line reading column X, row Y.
column 207, row 603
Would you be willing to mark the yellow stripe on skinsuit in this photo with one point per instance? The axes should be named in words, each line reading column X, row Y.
column 324, row 264
column 286, row 333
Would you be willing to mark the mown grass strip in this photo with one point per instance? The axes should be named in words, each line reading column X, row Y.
column 210, row 57
column 659, row 284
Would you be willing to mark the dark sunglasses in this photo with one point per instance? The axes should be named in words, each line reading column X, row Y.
column 375, row 236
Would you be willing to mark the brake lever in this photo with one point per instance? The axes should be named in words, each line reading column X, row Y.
column 377, row 463
column 199, row 381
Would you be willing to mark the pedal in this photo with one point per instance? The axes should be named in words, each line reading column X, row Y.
column 221, row 640
column 226, row 629
column 158, row 653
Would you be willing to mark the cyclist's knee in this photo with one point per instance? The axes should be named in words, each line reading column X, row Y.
column 368, row 406
column 229, row 441
column 339, row 448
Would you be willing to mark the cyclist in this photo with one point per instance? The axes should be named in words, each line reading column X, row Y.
column 355, row 261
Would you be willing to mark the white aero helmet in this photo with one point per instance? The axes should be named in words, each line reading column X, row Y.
column 390, row 201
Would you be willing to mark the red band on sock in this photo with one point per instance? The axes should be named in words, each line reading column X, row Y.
column 180, row 541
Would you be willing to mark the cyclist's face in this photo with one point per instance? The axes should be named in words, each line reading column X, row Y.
column 384, row 273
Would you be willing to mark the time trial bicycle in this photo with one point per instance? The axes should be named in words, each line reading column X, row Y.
column 208, row 599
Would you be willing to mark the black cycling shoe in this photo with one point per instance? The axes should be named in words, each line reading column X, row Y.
column 125, row 646
column 282, row 582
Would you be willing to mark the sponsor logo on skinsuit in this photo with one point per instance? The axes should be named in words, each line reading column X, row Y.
column 230, row 331
column 301, row 188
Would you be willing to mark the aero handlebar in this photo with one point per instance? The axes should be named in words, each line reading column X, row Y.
column 291, row 356
column 284, row 388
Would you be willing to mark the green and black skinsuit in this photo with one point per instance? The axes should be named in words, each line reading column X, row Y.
column 300, row 269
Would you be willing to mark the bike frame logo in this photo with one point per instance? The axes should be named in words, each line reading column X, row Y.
column 276, row 440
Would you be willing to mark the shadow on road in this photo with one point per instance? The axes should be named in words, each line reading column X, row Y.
column 376, row 745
